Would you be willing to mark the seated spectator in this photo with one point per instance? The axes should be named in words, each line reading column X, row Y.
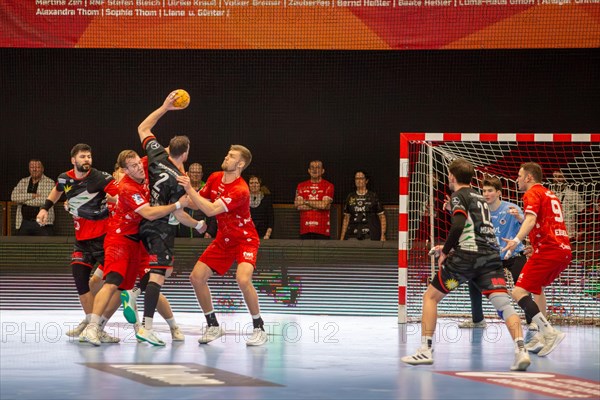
column 30, row 194
column 313, row 200
column 364, row 217
column 195, row 172
column 261, row 207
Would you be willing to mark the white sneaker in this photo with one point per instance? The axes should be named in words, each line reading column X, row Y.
column 177, row 335
column 106, row 338
column 531, row 331
column 129, row 301
column 258, row 338
column 536, row 344
column 148, row 335
column 91, row 334
column 75, row 332
column 423, row 355
column 211, row 333
column 469, row 324
column 551, row 340
column 522, row 360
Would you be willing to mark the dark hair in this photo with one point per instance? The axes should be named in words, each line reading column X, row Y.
column 178, row 145
column 263, row 189
column 533, row 169
column 462, row 170
column 80, row 147
column 493, row 182
column 367, row 177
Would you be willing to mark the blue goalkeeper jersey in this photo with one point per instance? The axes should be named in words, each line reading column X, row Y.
column 506, row 225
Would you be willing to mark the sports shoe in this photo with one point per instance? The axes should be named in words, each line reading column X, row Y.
column 129, row 299
column 148, row 335
column 551, row 340
column 522, row 360
column 531, row 331
column 468, row 324
column 177, row 335
column 75, row 332
column 91, row 334
column 211, row 333
column 535, row 344
column 258, row 338
column 106, row 338
column 423, row 355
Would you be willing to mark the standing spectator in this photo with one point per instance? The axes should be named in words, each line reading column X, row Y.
column 571, row 201
column 363, row 213
column 195, row 172
column 544, row 224
column 313, row 200
column 30, row 194
column 261, row 207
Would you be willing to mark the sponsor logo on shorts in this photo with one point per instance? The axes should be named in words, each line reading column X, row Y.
column 248, row 255
column 451, row 284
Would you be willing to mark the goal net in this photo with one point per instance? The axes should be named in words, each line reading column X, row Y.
column 571, row 166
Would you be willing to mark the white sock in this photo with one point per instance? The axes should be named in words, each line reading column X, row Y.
column 542, row 323
column 88, row 318
column 171, row 322
column 148, row 322
column 94, row 319
column 257, row 316
column 427, row 341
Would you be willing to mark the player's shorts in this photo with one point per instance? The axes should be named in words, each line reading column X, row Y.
column 541, row 271
column 88, row 252
column 220, row 257
column 485, row 271
column 514, row 265
column 123, row 256
column 159, row 240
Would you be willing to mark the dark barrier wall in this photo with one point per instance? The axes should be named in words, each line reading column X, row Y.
column 346, row 108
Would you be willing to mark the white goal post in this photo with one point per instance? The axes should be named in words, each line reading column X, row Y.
column 424, row 157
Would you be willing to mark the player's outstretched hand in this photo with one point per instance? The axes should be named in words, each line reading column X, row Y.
column 184, row 181
column 184, row 200
column 42, row 217
column 170, row 100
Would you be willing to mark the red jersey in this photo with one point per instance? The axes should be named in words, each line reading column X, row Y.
column 132, row 197
column 549, row 232
column 235, row 224
column 315, row 221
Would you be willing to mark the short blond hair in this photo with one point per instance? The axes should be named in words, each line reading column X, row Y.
column 124, row 156
column 244, row 153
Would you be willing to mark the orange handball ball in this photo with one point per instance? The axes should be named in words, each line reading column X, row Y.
column 183, row 99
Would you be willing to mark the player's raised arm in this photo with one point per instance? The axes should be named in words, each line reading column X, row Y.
column 176, row 100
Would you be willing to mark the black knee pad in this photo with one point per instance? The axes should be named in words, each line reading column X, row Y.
column 114, row 278
column 81, row 276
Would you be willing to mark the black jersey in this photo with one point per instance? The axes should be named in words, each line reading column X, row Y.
column 87, row 196
column 364, row 210
column 478, row 234
column 162, row 178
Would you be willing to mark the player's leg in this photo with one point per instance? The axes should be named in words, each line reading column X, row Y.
column 199, row 279
column 96, row 280
column 146, row 331
column 477, row 320
column 537, row 273
column 431, row 298
column 243, row 277
column 164, row 309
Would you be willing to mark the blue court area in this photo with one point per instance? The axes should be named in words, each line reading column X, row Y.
column 306, row 357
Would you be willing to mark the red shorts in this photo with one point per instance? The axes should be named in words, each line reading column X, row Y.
column 541, row 271
column 123, row 256
column 219, row 257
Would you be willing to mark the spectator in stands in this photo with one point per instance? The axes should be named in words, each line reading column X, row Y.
column 261, row 207
column 313, row 200
column 571, row 201
column 30, row 194
column 363, row 213
column 195, row 172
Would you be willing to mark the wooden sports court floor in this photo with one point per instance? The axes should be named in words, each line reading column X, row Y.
column 307, row 357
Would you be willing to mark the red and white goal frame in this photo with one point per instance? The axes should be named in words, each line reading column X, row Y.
column 404, row 175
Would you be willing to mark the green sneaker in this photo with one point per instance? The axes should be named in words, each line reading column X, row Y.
column 128, row 300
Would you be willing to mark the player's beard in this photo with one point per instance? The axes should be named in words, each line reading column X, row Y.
column 83, row 167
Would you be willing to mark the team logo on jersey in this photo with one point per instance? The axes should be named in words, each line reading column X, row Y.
column 451, row 284
column 68, row 188
column 502, row 221
column 138, row 199
column 226, row 199
column 154, row 145
column 455, row 201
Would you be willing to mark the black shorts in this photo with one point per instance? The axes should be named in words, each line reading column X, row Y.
column 515, row 265
column 485, row 271
column 88, row 252
column 159, row 240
